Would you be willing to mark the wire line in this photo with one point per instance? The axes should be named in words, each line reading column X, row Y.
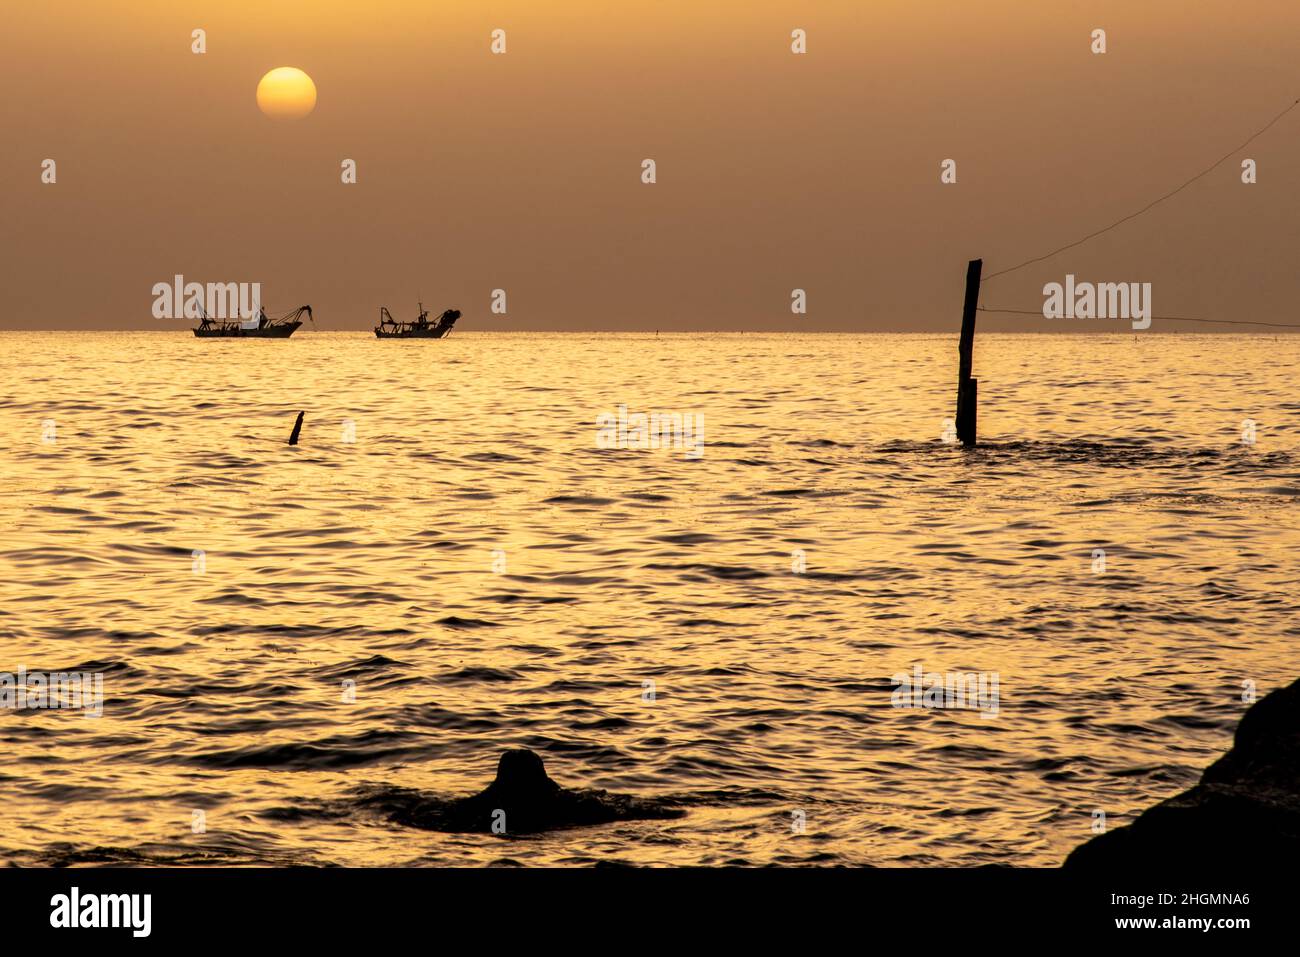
column 1230, row 322
column 1153, row 203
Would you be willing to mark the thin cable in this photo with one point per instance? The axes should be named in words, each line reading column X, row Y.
column 1229, row 322
column 1120, row 222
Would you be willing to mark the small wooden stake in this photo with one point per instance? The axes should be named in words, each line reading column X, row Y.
column 967, row 388
column 297, row 427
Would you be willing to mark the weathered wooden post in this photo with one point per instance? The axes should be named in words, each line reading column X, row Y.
column 297, row 427
column 968, row 388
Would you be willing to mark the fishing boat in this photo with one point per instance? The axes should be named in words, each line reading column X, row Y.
column 260, row 326
column 421, row 328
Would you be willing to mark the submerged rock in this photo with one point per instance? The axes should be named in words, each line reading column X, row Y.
column 1246, row 808
column 523, row 799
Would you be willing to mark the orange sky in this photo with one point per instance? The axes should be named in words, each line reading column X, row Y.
column 522, row 171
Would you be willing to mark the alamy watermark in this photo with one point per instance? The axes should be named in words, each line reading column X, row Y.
column 75, row 690
column 653, row 430
column 216, row 300
column 971, row 690
column 1103, row 300
column 75, row 909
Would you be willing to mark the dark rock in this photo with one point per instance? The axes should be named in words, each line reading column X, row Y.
column 1246, row 808
column 531, row 802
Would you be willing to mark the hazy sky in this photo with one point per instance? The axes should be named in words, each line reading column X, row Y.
column 775, row 171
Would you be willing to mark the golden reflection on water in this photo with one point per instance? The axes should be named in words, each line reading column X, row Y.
column 488, row 578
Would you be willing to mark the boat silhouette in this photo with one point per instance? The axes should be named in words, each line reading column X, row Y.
column 260, row 326
column 420, row 328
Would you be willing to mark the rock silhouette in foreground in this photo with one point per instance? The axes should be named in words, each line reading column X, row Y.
column 523, row 799
column 1245, row 810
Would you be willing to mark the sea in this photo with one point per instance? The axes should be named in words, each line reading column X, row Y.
column 700, row 569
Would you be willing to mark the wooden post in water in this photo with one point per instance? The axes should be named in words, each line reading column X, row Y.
column 297, row 427
column 968, row 388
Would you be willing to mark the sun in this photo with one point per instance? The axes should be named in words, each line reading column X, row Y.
column 286, row 93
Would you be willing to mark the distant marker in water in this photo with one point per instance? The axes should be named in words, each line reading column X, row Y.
column 297, row 427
